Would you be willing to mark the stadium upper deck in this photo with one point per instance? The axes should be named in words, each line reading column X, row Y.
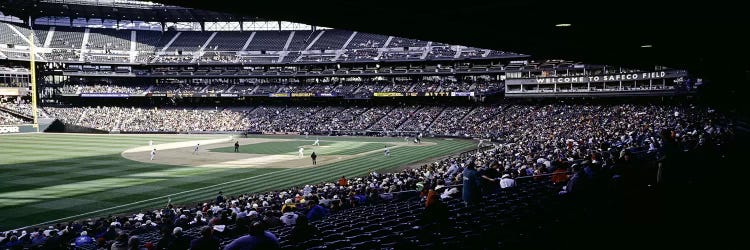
column 118, row 46
column 144, row 40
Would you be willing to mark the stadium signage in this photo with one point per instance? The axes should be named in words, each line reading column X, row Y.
column 9, row 91
column 430, row 94
column 462, row 93
column 606, row 78
column 278, row 95
column 326, row 95
column 157, row 94
column 10, row 129
column 387, row 94
column 104, row 95
column 303, row 94
column 228, row 95
column 601, row 78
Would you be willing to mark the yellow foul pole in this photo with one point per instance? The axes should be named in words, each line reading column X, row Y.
column 32, row 69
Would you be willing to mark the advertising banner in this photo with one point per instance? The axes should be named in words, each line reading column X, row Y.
column 601, row 78
column 104, row 95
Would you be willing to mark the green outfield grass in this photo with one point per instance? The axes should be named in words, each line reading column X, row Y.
column 48, row 177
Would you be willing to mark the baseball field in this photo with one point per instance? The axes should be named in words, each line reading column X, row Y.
column 50, row 178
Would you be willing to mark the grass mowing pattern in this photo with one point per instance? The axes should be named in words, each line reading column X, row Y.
column 51, row 176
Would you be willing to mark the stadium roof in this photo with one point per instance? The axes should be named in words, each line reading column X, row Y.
column 705, row 38
column 115, row 9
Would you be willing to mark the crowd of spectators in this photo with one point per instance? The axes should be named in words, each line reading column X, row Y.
column 491, row 121
column 344, row 118
column 586, row 148
column 8, row 119
column 446, row 122
column 21, row 107
column 394, row 118
column 365, row 89
column 422, row 119
column 102, row 88
column 488, row 86
column 151, row 120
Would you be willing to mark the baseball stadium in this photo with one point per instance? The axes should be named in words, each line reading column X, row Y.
column 175, row 125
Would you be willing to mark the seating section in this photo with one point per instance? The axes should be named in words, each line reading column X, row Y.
column 446, row 123
column 301, row 39
column 387, row 224
column 146, row 41
column 67, row 38
column 228, row 41
column 359, row 55
column 16, row 55
column 12, row 113
column 38, row 41
column 331, row 40
column 8, row 36
column 164, row 40
column 189, row 41
column 441, row 53
column 103, row 88
column 40, row 33
column 402, row 55
column 70, row 55
column 398, row 42
column 366, row 40
column 394, row 119
column 481, row 121
column 112, row 46
column 268, row 41
column 101, row 39
column 421, row 121
column 9, row 119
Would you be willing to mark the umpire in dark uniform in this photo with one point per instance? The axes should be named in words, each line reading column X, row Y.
column 237, row 146
column 314, row 156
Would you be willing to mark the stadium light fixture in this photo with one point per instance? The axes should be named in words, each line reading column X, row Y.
column 646, row 46
column 563, row 25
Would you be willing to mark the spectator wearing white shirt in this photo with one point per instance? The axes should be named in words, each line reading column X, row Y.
column 507, row 182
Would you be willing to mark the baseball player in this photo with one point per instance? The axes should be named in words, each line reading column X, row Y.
column 195, row 151
column 317, row 142
column 150, row 143
column 301, row 152
column 153, row 154
column 387, row 152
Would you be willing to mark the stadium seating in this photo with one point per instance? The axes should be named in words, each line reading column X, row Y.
column 101, row 39
column 67, row 38
column 441, row 53
column 113, row 46
column 406, row 42
column 388, row 213
column 269, row 41
column 331, row 40
column 7, row 36
column 366, row 40
column 228, row 41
